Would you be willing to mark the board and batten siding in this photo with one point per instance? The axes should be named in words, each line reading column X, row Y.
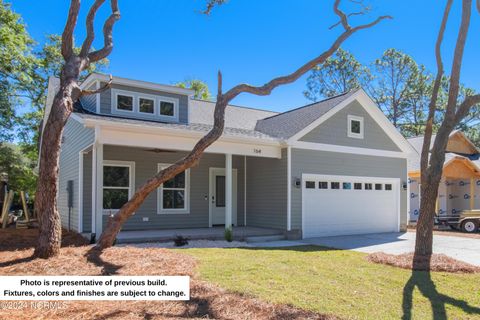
column 344, row 164
column 267, row 192
column 146, row 164
column 75, row 139
column 335, row 131
column 106, row 102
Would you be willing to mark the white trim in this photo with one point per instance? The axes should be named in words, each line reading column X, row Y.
column 345, row 149
column 245, row 191
column 179, row 132
column 372, row 109
column 98, row 193
column 158, row 98
column 351, row 134
column 228, row 191
column 289, row 188
column 396, row 182
column 160, row 209
column 135, row 83
column 97, row 84
column 131, row 180
column 80, row 191
column 147, row 97
column 176, row 110
column 164, row 139
column 115, row 94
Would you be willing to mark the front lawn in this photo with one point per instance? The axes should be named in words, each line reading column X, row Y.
column 340, row 282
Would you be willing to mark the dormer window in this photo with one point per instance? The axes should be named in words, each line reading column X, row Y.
column 146, row 105
column 124, row 102
column 355, row 127
column 167, row 108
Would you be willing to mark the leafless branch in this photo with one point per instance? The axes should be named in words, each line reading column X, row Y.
column 107, row 34
column 359, row 13
column 212, row 4
column 99, row 90
column 272, row 84
column 67, row 35
column 457, row 59
column 87, row 44
column 436, row 88
column 465, row 106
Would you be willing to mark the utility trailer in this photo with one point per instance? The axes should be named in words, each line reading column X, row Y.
column 467, row 221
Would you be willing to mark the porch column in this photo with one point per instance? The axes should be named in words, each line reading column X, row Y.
column 472, row 193
column 98, row 188
column 228, row 191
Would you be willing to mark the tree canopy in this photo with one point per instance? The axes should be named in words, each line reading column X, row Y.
column 198, row 86
column 400, row 86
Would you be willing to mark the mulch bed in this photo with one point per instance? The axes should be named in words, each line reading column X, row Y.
column 17, row 239
column 206, row 300
column 437, row 262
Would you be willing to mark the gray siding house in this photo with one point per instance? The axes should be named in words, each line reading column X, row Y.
column 333, row 167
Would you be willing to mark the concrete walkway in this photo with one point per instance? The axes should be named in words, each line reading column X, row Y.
column 460, row 248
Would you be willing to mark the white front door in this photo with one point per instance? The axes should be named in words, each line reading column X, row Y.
column 217, row 196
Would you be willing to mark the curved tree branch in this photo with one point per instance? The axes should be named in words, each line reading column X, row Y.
column 107, row 34
column 272, row 84
column 99, row 90
column 436, row 88
column 465, row 106
column 114, row 225
column 67, row 35
column 87, row 44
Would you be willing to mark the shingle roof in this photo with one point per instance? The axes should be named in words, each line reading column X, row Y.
column 195, row 127
column 235, row 117
column 287, row 124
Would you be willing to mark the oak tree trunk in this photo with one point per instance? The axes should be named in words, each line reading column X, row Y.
column 49, row 241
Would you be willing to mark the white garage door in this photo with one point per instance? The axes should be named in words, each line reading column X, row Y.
column 343, row 205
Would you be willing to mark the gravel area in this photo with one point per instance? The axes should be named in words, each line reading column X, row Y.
column 191, row 244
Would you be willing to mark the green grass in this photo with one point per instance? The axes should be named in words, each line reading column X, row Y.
column 340, row 282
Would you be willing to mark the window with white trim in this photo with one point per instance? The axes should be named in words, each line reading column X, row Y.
column 174, row 194
column 146, row 105
column 167, row 108
column 124, row 102
column 118, row 182
column 355, row 127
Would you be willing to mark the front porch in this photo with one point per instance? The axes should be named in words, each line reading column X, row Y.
column 214, row 233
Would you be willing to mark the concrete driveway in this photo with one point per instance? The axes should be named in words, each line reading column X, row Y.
column 460, row 248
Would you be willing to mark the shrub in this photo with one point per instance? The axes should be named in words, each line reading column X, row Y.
column 180, row 241
column 229, row 234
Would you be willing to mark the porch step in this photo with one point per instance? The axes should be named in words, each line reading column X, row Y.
column 275, row 237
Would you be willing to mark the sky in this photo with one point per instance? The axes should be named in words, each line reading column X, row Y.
column 168, row 41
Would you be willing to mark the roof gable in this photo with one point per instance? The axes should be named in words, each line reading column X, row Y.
column 335, row 131
column 287, row 124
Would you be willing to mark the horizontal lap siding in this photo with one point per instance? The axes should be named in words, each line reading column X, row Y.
column 343, row 164
column 267, row 192
column 146, row 166
column 334, row 131
column 106, row 102
column 75, row 139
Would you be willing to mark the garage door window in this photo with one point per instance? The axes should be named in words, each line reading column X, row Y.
column 388, row 187
column 310, row 184
column 357, row 186
column 378, row 186
column 323, row 185
column 335, row 185
column 347, row 186
column 368, row 186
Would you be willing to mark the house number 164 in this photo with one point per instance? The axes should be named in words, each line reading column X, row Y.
column 257, row 150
